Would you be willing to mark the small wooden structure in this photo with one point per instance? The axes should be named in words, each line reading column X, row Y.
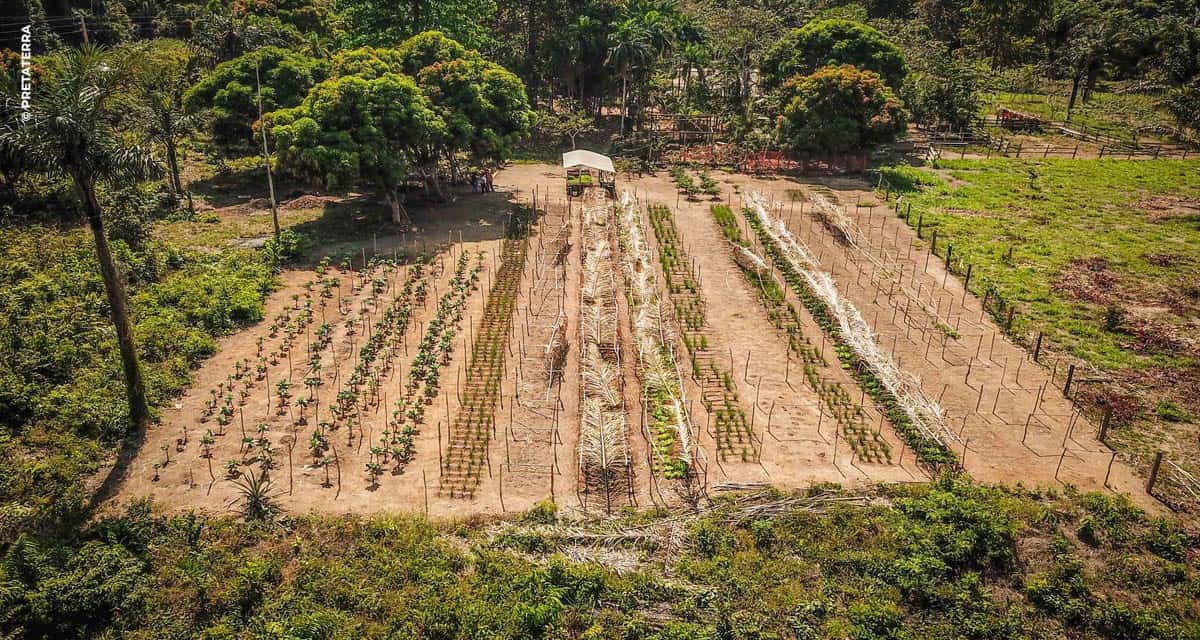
column 587, row 168
column 1017, row 121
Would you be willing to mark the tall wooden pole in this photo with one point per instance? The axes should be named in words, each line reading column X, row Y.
column 266, row 154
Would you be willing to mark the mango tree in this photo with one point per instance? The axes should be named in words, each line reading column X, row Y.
column 353, row 129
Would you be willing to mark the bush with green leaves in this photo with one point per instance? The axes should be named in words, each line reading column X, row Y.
column 946, row 93
column 947, row 560
column 287, row 246
column 1183, row 103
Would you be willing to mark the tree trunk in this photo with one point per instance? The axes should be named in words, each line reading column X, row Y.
column 534, row 83
column 1092, row 75
column 1074, row 94
column 453, row 161
column 624, row 89
column 118, row 302
column 687, row 85
column 399, row 214
column 173, row 164
column 436, row 182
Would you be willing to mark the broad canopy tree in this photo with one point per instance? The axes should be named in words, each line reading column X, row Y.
column 830, row 43
column 389, row 113
column 228, row 94
column 943, row 91
column 838, row 110
column 353, row 128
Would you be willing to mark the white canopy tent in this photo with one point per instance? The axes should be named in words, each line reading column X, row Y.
column 579, row 165
column 589, row 159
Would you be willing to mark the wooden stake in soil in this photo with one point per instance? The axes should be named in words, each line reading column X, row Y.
column 1110, row 466
column 1158, row 458
column 1104, row 422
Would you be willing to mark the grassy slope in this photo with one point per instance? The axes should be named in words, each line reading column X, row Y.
column 1053, row 213
column 1112, row 114
column 948, row 560
column 61, row 395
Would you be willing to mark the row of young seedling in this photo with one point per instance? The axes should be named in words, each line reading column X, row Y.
column 432, row 355
column 293, row 323
column 735, row 439
column 372, row 360
column 471, row 431
column 868, row 445
column 668, row 422
column 361, row 389
column 917, row 419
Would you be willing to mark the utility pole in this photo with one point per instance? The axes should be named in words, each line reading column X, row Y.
column 266, row 154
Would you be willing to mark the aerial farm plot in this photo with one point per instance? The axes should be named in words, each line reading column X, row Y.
column 621, row 349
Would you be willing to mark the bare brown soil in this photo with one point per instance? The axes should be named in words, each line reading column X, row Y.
column 1165, row 207
column 798, row 449
column 1013, row 423
column 530, row 460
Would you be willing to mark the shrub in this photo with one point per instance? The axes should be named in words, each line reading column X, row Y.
column 544, row 512
column 287, row 247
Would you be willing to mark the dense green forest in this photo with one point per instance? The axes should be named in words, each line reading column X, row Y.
column 111, row 296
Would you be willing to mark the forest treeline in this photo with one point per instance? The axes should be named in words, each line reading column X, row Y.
column 705, row 56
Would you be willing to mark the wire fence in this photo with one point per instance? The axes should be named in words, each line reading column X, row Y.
column 1175, row 486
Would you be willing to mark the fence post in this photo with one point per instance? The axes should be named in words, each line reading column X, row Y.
column 1037, row 347
column 1104, row 422
column 1070, row 378
column 933, row 245
column 1158, row 457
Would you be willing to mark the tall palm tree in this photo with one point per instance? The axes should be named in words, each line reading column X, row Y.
column 693, row 56
column 630, row 50
column 166, row 72
column 71, row 129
